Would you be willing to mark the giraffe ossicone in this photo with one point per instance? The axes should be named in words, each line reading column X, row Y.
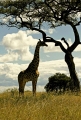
column 31, row 73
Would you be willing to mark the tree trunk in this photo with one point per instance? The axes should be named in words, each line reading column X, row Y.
column 75, row 84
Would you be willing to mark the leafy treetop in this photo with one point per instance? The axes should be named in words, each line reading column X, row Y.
column 32, row 14
column 35, row 12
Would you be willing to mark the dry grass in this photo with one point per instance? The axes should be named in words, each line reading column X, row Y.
column 42, row 107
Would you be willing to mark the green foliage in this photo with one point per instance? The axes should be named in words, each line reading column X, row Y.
column 58, row 82
column 36, row 12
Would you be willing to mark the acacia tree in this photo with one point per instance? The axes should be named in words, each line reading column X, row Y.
column 32, row 14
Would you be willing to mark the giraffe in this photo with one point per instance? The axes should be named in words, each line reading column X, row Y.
column 31, row 73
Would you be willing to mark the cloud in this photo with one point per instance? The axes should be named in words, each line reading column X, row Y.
column 51, row 67
column 11, row 56
column 51, row 31
column 6, row 19
column 78, row 48
column 25, row 54
column 17, row 41
column 8, row 88
column 78, row 15
column 9, row 70
column 52, row 48
column 18, row 46
column 4, row 88
column 29, row 32
column 46, row 69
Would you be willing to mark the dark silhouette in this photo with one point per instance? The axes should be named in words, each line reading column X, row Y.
column 31, row 73
column 58, row 83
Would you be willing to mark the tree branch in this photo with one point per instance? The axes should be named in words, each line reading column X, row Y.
column 57, row 43
column 49, row 7
column 78, row 23
column 28, row 25
column 65, row 42
column 77, row 38
column 41, row 31
column 45, row 39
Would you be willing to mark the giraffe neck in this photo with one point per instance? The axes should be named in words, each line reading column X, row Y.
column 36, row 54
column 35, row 62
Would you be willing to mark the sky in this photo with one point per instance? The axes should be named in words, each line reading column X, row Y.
column 16, row 52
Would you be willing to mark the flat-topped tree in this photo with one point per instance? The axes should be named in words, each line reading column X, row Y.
column 32, row 14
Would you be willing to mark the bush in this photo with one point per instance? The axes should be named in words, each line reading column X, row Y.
column 58, row 82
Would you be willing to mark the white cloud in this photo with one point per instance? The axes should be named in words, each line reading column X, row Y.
column 9, row 69
column 17, row 45
column 52, row 48
column 11, row 56
column 6, row 19
column 17, row 41
column 3, row 88
column 25, row 54
column 78, row 15
column 51, row 31
column 46, row 69
column 78, row 48
column 51, row 67
column 8, row 88
column 32, row 32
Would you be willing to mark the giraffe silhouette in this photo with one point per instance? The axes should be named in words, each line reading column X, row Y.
column 31, row 73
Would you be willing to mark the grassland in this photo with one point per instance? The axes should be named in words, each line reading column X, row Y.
column 42, row 107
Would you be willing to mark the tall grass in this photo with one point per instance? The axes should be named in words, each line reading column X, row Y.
column 42, row 107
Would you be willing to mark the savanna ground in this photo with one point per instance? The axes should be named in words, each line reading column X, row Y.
column 42, row 107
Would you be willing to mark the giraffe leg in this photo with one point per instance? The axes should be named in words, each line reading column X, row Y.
column 34, row 83
column 21, row 88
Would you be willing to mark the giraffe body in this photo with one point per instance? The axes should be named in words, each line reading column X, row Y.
column 31, row 73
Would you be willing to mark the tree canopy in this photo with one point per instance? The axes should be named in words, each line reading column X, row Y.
column 32, row 14
column 58, row 82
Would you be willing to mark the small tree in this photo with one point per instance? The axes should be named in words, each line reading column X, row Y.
column 58, row 82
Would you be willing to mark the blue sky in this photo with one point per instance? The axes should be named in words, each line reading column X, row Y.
column 16, row 52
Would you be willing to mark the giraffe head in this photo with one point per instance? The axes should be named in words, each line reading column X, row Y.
column 41, row 43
